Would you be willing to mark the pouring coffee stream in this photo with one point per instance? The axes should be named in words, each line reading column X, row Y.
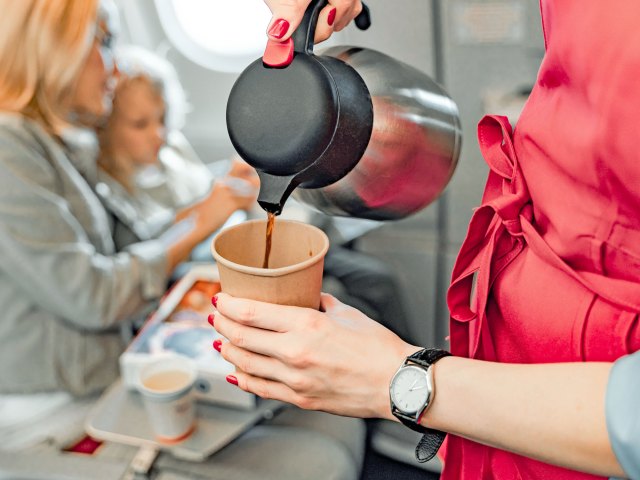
column 271, row 222
column 359, row 132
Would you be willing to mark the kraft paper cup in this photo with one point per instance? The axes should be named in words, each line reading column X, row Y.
column 296, row 262
column 166, row 387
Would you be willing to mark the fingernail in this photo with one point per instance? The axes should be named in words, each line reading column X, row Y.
column 210, row 319
column 332, row 17
column 217, row 344
column 214, row 301
column 279, row 28
column 232, row 380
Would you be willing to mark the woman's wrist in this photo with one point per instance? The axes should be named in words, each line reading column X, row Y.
column 396, row 360
column 443, row 371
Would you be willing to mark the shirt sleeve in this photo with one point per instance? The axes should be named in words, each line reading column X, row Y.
column 623, row 412
column 53, row 260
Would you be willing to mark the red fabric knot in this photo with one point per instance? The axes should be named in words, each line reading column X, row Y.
column 498, row 232
column 494, row 239
column 509, row 208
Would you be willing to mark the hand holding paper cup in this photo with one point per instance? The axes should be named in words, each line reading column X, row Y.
column 166, row 387
column 294, row 276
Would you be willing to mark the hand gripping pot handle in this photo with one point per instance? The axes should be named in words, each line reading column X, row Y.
column 360, row 133
column 305, row 33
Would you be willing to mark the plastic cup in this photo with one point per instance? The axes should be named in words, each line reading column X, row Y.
column 294, row 276
column 166, row 387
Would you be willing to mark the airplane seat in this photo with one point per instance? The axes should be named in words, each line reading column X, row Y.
column 35, row 427
column 58, row 466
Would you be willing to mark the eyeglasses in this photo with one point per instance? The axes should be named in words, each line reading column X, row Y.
column 105, row 39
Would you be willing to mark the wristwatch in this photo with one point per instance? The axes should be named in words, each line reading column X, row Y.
column 411, row 392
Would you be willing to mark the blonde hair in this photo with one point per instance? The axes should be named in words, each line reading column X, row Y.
column 126, row 81
column 121, row 169
column 45, row 43
column 134, row 61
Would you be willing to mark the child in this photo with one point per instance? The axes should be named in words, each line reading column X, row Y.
column 133, row 143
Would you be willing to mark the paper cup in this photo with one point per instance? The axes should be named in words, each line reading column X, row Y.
column 166, row 387
column 296, row 262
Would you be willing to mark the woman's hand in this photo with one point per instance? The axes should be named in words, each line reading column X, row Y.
column 338, row 360
column 287, row 15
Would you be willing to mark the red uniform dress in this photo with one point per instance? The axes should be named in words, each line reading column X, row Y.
column 555, row 246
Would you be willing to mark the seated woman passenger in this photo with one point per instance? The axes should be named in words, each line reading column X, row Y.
column 65, row 289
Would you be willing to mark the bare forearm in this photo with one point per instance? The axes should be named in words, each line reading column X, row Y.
column 553, row 412
column 180, row 250
column 186, row 212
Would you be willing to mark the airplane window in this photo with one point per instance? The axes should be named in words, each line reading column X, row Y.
column 222, row 36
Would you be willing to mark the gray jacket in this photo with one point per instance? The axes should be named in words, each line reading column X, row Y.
column 64, row 291
column 136, row 216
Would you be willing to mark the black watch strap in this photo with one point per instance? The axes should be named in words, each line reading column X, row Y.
column 432, row 439
column 428, row 356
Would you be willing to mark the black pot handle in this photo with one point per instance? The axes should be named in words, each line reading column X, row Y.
column 363, row 20
column 305, row 33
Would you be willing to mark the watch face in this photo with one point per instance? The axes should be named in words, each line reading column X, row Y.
column 410, row 389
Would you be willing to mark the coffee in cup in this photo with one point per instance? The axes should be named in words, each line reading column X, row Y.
column 295, row 262
column 166, row 387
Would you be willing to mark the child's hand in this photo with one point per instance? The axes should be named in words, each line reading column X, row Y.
column 244, row 193
column 242, row 170
column 227, row 196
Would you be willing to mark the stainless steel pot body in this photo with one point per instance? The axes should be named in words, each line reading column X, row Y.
column 414, row 145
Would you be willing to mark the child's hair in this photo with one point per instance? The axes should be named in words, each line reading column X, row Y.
column 140, row 67
column 126, row 82
column 120, row 169
column 135, row 63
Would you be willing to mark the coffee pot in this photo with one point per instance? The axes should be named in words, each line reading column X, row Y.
column 361, row 134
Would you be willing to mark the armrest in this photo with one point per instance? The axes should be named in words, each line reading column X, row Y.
column 60, row 466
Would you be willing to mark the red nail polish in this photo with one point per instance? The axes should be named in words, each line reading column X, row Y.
column 210, row 319
column 214, row 301
column 232, row 380
column 217, row 344
column 279, row 28
column 332, row 17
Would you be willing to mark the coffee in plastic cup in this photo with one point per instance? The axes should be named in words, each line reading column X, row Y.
column 166, row 387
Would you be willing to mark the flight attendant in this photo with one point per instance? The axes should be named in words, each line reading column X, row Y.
column 544, row 380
